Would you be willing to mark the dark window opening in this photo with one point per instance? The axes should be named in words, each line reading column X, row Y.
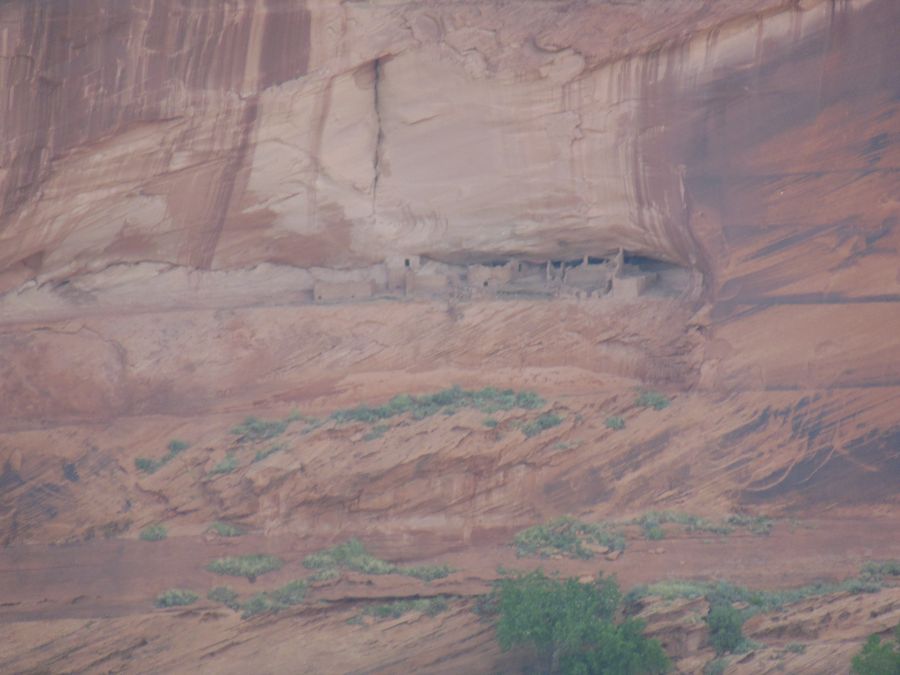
column 485, row 284
column 641, row 260
column 406, row 262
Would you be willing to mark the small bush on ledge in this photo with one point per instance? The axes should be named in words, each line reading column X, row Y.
column 652, row 399
column 615, row 423
column 175, row 597
column 224, row 595
column 250, row 566
column 288, row 595
column 154, row 533
column 225, row 529
column 227, row 465
column 545, row 421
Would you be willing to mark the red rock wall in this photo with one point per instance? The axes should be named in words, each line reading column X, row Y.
column 221, row 134
column 755, row 140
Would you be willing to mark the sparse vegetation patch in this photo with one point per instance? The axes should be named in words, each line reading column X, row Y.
column 147, row 465
column 570, row 537
column 155, row 532
column 225, row 529
column 376, row 432
column 878, row 569
column 225, row 595
column 397, row 608
column 263, row 454
column 428, row 572
column 652, row 399
column 615, row 423
column 352, row 555
column 652, row 521
column 488, row 401
column 716, row 667
column 176, row 445
column 288, row 595
column 175, row 597
column 227, row 465
column 255, row 429
column 541, row 423
column 756, row 524
column 250, row 566
column 723, row 592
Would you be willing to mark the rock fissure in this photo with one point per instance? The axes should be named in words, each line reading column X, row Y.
column 377, row 67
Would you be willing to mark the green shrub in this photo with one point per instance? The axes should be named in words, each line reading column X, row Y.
column 651, row 521
column 148, row 465
column 654, row 532
column 725, row 628
column 563, row 535
column 255, row 429
column 878, row 569
column 227, row 465
column 373, row 565
column 428, row 572
column 571, row 626
column 652, row 399
column 290, row 594
column 877, row 657
column 224, row 595
column 176, row 446
column 567, row 536
column 490, row 423
column 397, row 608
column 297, row 416
column 541, row 423
column 715, row 667
column 225, row 529
column 796, row 648
column 756, row 524
column 350, row 555
column 721, row 592
column 262, row 454
column 258, row 604
column 615, row 423
column 250, row 566
column 488, row 400
column 175, row 597
column 376, row 432
column 325, row 574
column 145, row 464
column 155, row 532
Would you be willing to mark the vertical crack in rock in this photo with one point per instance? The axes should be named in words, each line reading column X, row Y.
column 379, row 134
column 203, row 253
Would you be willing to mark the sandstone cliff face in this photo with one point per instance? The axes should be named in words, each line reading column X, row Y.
column 174, row 175
column 753, row 141
column 322, row 133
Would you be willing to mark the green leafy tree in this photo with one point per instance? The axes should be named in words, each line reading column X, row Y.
column 878, row 658
column 571, row 627
column 725, row 628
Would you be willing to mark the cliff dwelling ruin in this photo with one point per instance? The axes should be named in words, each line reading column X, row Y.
column 621, row 276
